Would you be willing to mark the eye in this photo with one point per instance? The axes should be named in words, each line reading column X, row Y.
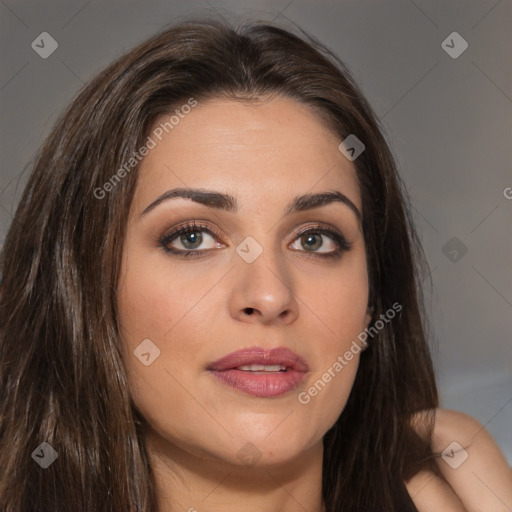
column 321, row 241
column 190, row 239
column 194, row 240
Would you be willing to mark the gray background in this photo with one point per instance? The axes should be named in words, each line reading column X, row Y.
column 449, row 122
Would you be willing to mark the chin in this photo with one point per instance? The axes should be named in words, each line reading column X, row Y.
column 280, row 447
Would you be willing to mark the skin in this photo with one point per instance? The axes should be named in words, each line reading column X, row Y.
column 195, row 310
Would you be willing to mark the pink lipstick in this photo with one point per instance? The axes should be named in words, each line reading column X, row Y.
column 260, row 372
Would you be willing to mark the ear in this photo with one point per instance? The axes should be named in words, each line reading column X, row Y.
column 369, row 316
column 367, row 320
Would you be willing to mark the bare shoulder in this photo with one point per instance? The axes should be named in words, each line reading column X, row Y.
column 454, row 423
column 477, row 477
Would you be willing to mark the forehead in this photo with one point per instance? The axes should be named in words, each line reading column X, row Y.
column 257, row 151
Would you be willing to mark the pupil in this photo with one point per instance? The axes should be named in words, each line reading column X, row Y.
column 309, row 241
column 189, row 239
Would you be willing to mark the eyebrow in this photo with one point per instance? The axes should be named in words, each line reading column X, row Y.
column 227, row 202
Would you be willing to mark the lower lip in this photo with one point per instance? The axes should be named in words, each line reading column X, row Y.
column 264, row 385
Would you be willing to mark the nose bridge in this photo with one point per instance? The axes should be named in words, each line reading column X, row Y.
column 263, row 286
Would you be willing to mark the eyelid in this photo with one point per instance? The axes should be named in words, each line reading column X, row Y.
column 199, row 225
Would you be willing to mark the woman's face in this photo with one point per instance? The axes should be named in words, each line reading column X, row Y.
column 262, row 269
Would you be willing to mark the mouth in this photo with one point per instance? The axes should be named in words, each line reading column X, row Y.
column 259, row 372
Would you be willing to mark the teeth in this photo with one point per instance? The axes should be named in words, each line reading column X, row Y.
column 262, row 368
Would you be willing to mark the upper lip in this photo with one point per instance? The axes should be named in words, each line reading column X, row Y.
column 259, row 355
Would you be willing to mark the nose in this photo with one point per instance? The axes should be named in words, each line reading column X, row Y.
column 262, row 291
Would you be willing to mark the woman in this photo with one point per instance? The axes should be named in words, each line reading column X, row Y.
column 212, row 277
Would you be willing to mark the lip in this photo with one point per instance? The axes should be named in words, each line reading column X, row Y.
column 261, row 384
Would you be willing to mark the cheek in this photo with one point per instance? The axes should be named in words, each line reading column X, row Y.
column 158, row 305
column 155, row 299
column 153, row 308
column 338, row 309
column 338, row 304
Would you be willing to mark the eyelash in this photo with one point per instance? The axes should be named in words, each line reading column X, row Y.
column 337, row 238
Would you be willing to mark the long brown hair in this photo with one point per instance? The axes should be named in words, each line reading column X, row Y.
column 63, row 379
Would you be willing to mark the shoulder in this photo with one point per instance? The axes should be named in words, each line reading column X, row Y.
column 476, row 475
column 454, row 423
column 459, row 436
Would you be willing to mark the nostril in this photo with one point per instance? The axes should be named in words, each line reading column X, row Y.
column 249, row 311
